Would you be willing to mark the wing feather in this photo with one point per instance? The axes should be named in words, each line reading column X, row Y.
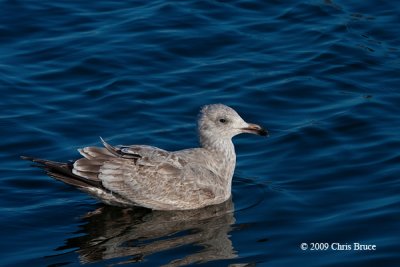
column 145, row 176
column 162, row 181
column 117, row 151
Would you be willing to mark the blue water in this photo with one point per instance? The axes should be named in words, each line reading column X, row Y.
column 322, row 76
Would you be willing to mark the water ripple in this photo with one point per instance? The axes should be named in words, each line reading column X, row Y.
column 322, row 76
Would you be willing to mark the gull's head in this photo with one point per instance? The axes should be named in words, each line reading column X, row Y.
column 220, row 121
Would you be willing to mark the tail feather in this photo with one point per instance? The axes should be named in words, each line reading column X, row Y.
column 63, row 172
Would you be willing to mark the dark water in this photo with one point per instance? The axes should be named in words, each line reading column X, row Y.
column 322, row 76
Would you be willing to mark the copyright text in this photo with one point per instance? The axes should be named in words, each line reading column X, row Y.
column 338, row 246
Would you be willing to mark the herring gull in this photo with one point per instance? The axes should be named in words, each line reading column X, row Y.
column 150, row 177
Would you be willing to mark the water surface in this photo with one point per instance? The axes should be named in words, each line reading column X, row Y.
column 322, row 76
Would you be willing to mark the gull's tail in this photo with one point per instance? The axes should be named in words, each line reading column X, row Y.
column 63, row 172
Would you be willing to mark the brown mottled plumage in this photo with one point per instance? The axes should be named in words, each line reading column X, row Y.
column 150, row 177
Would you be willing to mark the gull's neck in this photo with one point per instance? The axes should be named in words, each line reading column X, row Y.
column 224, row 155
column 218, row 145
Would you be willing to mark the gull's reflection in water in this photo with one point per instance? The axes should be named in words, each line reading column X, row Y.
column 133, row 234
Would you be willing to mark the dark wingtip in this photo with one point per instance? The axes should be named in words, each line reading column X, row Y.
column 110, row 148
column 106, row 145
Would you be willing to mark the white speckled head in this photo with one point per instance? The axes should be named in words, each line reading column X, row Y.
column 218, row 121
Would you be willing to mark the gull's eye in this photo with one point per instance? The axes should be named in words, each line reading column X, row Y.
column 222, row 120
